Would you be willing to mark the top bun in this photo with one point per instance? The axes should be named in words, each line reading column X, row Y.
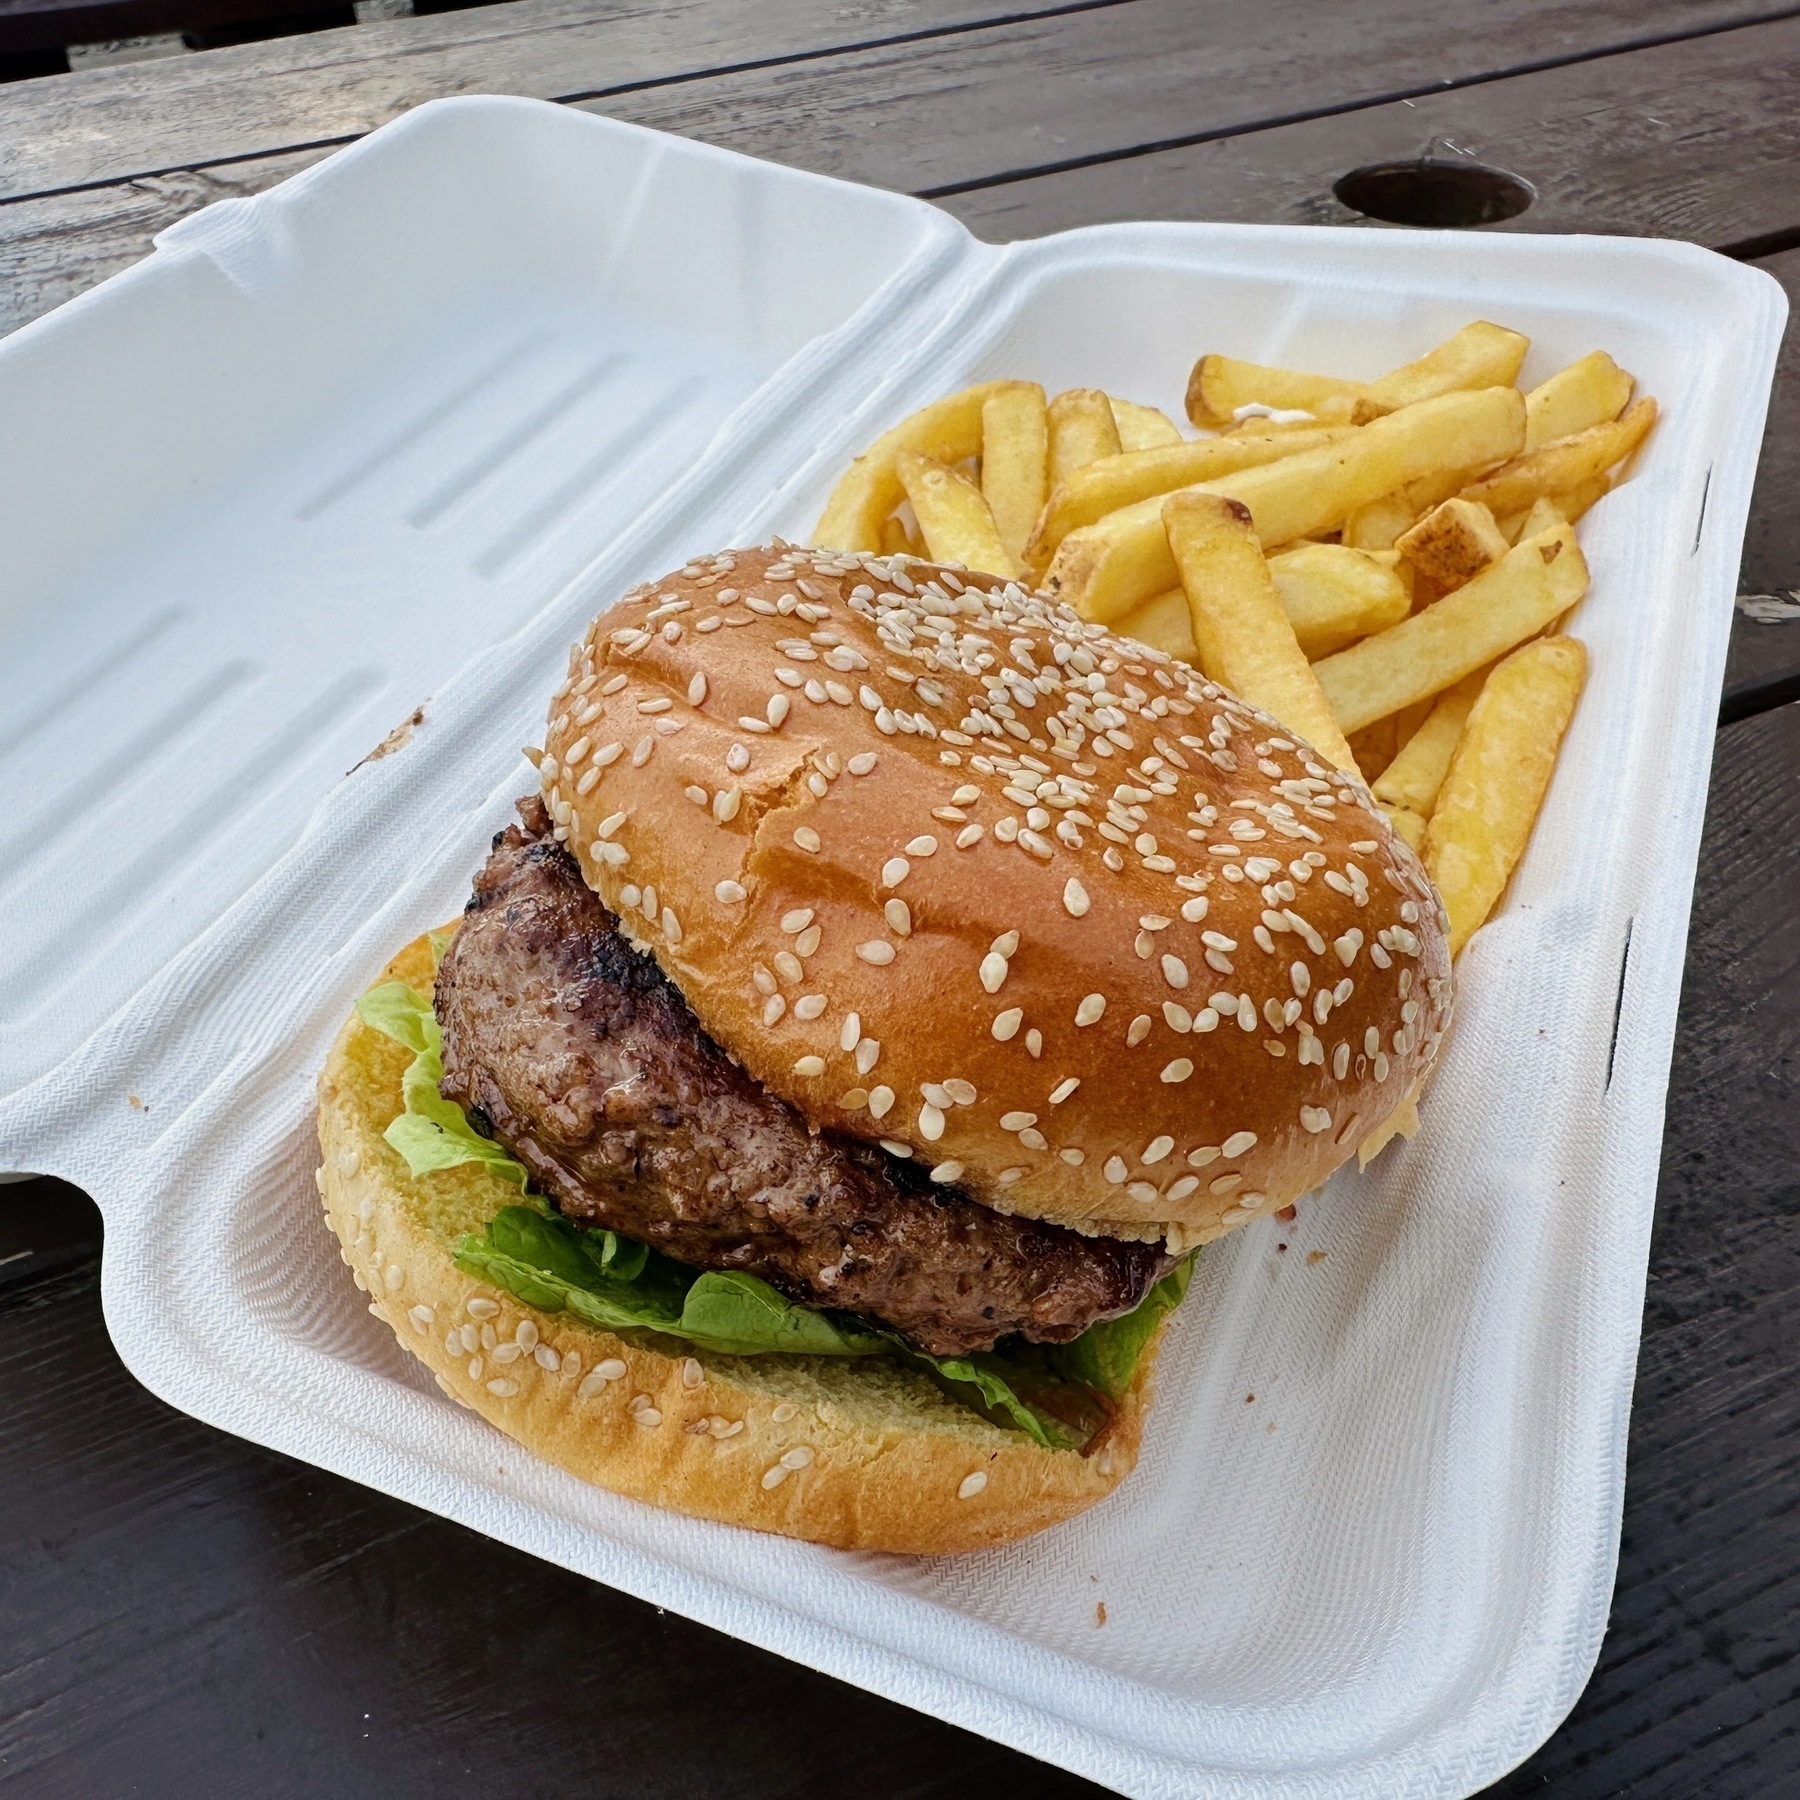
column 951, row 869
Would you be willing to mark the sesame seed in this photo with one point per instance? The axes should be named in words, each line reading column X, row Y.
column 809, row 1006
column 947, row 1172
column 894, row 871
column 971, row 1485
column 868, row 1053
column 783, row 1412
column 810, row 1066
column 899, row 917
column 1090, row 1009
column 807, row 839
column 1175, row 971
column 922, row 846
column 961, row 1092
column 1115, row 1170
column 1157, row 1149
column 641, row 754
column 797, row 920
column 969, row 836
column 1238, row 1143
column 1006, row 1025
column 1075, row 898
column 696, row 692
column 1017, row 1121
column 671, row 925
column 1207, row 1153
column 692, row 1375
column 774, row 1476
column 737, row 758
column 1073, row 1157
column 1224, row 1184
column 1006, row 944
column 931, row 1123
column 1064, row 1089
column 1140, row 1029
column 503, row 1388
column 1179, row 1070
column 480, row 1308
column 1315, row 1118
column 808, row 941
column 877, row 951
column 851, row 1034
column 993, row 971
column 658, row 705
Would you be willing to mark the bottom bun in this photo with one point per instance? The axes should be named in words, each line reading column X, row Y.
column 859, row 1453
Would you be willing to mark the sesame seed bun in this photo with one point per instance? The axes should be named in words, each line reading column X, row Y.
column 858, row 1453
column 950, row 869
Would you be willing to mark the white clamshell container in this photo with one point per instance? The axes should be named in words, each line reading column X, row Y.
column 369, row 450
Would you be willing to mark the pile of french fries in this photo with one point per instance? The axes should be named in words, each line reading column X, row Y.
column 1385, row 567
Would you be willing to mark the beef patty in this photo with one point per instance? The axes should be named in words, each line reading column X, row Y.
column 579, row 1055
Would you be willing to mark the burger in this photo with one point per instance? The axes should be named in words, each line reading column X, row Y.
column 891, row 985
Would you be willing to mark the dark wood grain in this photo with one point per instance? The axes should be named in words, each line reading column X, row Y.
column 1073, row 82
column 52, row 250
column 44, row 24
column 1696, row 1693
column 186, row 1614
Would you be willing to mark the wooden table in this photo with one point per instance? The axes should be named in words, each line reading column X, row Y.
column 181, row 1612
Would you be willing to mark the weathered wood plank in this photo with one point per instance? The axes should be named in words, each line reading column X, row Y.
column 1690, row 140
column 132, row 119
column 1695, row 1690
column 1076, row 82
column 188, row 1614
column 51, row 250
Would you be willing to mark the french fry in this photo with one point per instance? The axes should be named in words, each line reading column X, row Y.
column 897, row 541
column 1453, row 542
column 1143, row 427
column 1333, row 596
column 1015, row 461
column 1569, row 505
column 953, row 517
column 1107, row 568
column 1243, row 636
column 1163, row 623
column 1103, row 487
column 1593, row 391
column 1480, row 355
column 1409, row 825
column 1568, row 464
column 1380, row 524
column 1543, row 515
column 1219, row 385
column 947, row 431
column 1081, row 431
column 1498, row 778
column 1536, row 581
column 1411, row 781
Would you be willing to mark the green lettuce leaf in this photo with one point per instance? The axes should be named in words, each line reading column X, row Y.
column 550, row 1263
column 432, row 1133
column 1105, row 1357
column 617, row 1284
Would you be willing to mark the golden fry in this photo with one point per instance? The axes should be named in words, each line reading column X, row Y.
column 1107, row 568
column 1478, row 356
column 947, row 431
column 1333, row 595
column 1081, row 431
column 1535, row 582
column 1220, row 385
column 1380, row 524
column 1569, row 464
column 1143, row 427
column 1165, row 624
column 1453, row 542
column 1569, row 505
column 1593, row 391
column 1117, row 481
column 1015, row 461
column 953, row 517
column 1409, row 825
column 1498, row 778
column 1243, row 636
column 1411, row 781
